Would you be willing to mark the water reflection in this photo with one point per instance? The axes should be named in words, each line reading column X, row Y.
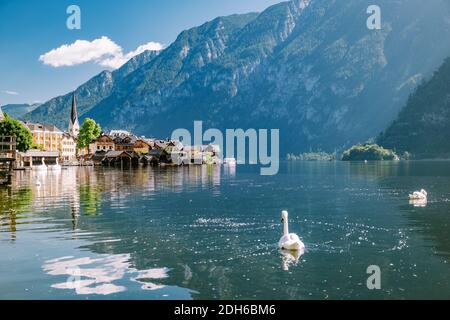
column 89, row 276
column 14, row 206
column 148, row 233
column 74, row 199
column 419, row 203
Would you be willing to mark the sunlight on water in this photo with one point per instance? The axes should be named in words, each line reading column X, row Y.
column 212, row 232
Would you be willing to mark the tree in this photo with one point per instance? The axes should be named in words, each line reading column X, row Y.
column 370, row 152
column 10, row 127
column 89, row 131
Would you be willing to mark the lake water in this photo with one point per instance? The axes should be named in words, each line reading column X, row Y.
column 212, row 232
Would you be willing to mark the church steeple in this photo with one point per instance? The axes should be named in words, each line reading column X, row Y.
column 74, row 125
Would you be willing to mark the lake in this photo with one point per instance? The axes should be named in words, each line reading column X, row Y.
column 212, row 232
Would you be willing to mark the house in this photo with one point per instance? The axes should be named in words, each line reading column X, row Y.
column 103, row 143
column 68, row 148
column 214, row 149
column 34, row 157
column 211, row 154
column 142, row 146
column 149, row 160
column 122, row 158
column 98, row 158
column 170, row 147
column 163, row 144
column 194, row 154
column 125, row 144
column 157, row 156
column 46, row 137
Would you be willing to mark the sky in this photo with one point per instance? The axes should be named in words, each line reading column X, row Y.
column 41, row 58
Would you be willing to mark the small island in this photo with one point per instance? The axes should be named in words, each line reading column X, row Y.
column 369, row 152
column 311, row 156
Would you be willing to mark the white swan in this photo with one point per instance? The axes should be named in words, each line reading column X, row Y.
column 290, row 258
column 41, row 167
column 289, row 241
column 419, row 195
column 55, row 167
column 419, row 203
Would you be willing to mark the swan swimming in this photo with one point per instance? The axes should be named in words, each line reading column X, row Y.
column 419, row 195
column 289, row 241
column 42, row 166
column 290, row 258
column 55, row 167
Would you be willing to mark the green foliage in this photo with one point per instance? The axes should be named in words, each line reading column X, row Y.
column 423, row 127
column 89, row 131
column 369, row 152
column 35, row 146
column 13, row 127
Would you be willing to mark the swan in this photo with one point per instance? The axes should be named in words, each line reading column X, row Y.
column 290, row 258
column 419, row 195
column 42, row 166
column 419, row 203
column 289, row 241
column 55, row 167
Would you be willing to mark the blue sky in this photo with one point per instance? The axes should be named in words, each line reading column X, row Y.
column 32, row 28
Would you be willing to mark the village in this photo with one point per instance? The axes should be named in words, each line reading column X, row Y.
column 57, row 149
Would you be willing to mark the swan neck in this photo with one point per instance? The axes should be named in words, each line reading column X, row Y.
column 285, row 227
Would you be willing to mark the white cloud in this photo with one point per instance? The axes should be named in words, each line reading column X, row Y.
column 102, row 51
column 118, row 60
column 11, row 93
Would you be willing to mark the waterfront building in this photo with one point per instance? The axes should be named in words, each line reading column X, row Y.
column 68, row 147
column 121, row 158
column 125, row 143
column 45, row 137
column 142, row 146
column 34, row 157
column 104, row 143
column 74, row 125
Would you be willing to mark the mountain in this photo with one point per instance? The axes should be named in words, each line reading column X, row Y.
column 423, row 126
column 57, row 110
column 19, row 110
column 311, row 68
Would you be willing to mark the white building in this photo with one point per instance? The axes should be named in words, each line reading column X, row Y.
column 68, row 148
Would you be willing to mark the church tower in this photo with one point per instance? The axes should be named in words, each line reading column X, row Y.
column 74, row 125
